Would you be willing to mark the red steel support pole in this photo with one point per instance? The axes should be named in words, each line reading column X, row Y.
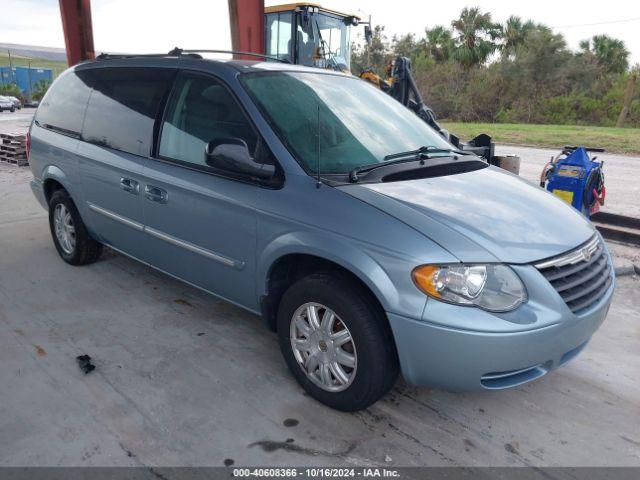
column 78, row 31
column 246, row 18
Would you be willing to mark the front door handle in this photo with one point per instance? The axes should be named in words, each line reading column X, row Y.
column 129, row 185
column 156, row 194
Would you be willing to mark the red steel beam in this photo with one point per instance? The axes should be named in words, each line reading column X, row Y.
column 246, row 18
column 78, row 31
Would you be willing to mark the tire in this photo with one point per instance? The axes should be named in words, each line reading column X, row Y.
column 82, row 249
column 13, row 109
column 371, row 349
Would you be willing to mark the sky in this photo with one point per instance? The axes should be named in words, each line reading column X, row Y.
column 159, row 25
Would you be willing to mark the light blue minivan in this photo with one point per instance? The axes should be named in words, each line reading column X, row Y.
column 364, row 239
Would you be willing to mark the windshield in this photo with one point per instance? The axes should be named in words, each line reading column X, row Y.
column 359, row 124
column 332, row 35
column 320, row 40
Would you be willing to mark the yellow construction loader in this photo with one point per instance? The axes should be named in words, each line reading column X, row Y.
column 309, row 34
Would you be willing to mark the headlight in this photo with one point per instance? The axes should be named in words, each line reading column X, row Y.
column 496, row 288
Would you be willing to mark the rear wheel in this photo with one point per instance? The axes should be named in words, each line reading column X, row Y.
column 70, row 236
column 336, row 342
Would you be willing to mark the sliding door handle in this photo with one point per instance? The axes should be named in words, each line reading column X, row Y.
column 156, row 194
column 129, row 185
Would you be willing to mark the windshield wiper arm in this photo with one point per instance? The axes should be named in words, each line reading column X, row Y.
column 421, row 153
column 424, row 150
column 353, row 174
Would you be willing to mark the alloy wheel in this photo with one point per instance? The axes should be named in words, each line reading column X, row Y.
column 64, row 228
column 323, row 347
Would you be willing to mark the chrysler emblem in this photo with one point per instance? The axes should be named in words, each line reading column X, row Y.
column 586, row 254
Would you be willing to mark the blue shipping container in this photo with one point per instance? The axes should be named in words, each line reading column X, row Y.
column 24, row 77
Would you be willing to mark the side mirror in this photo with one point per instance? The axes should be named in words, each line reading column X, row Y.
column 351, row 21
column 368, row 34
column 232, row 155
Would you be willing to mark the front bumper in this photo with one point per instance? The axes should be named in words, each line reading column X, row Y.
column 534, row 339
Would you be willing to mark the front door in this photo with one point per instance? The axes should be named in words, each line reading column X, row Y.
column 201, row 227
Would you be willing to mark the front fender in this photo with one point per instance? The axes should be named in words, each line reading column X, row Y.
column 373, row 266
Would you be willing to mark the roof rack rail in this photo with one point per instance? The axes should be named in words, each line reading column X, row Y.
column 112, row 56
column 179, row 52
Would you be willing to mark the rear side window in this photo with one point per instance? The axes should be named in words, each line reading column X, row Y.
column 123, row 106
column 62, row 109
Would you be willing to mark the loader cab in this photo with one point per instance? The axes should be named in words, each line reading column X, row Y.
column 308, row 34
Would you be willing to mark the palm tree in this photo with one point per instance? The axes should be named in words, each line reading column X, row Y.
column 475, row 36
column 611, row 53
column 585, row 46
column 514, row 34
column 439, row 43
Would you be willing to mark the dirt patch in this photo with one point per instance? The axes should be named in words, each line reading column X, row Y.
column 41, row 352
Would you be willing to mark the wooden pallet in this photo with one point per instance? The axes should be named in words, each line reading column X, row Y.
column 10, row 135
column 13, row 148
column 19, row 161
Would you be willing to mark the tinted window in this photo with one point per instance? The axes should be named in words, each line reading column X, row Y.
column 358, row 123
column 63, row 107
column 123, row 106
column 201, row 110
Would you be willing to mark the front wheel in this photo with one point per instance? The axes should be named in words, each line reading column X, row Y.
column 337, row 344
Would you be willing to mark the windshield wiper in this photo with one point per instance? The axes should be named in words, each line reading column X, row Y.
column 424, row 150
column 421, row 153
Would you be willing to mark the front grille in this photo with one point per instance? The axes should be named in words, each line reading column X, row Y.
column 582, row 276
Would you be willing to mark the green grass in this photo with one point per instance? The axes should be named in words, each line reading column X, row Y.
column 18, row 61
column 616, row 140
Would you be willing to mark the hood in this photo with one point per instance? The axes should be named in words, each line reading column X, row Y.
column 484, row 215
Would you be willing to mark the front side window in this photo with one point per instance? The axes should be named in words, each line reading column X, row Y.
column 201, row 110
column 123, row 107
column 352, row 122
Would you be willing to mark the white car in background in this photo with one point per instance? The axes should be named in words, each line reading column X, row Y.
column 16, row 102
column 6, row 104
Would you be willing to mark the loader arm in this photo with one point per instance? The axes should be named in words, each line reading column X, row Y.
column 401, row 85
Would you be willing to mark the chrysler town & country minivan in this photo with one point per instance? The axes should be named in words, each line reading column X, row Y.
column 360, row 235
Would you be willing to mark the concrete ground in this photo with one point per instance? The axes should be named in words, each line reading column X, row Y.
column 185, row 379
column 17, row 121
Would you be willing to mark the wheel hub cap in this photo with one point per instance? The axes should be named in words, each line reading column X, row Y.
column 323, row 347
column 64, row 229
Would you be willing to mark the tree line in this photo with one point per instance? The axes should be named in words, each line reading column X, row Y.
column 38, row 90
column 478, row 70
